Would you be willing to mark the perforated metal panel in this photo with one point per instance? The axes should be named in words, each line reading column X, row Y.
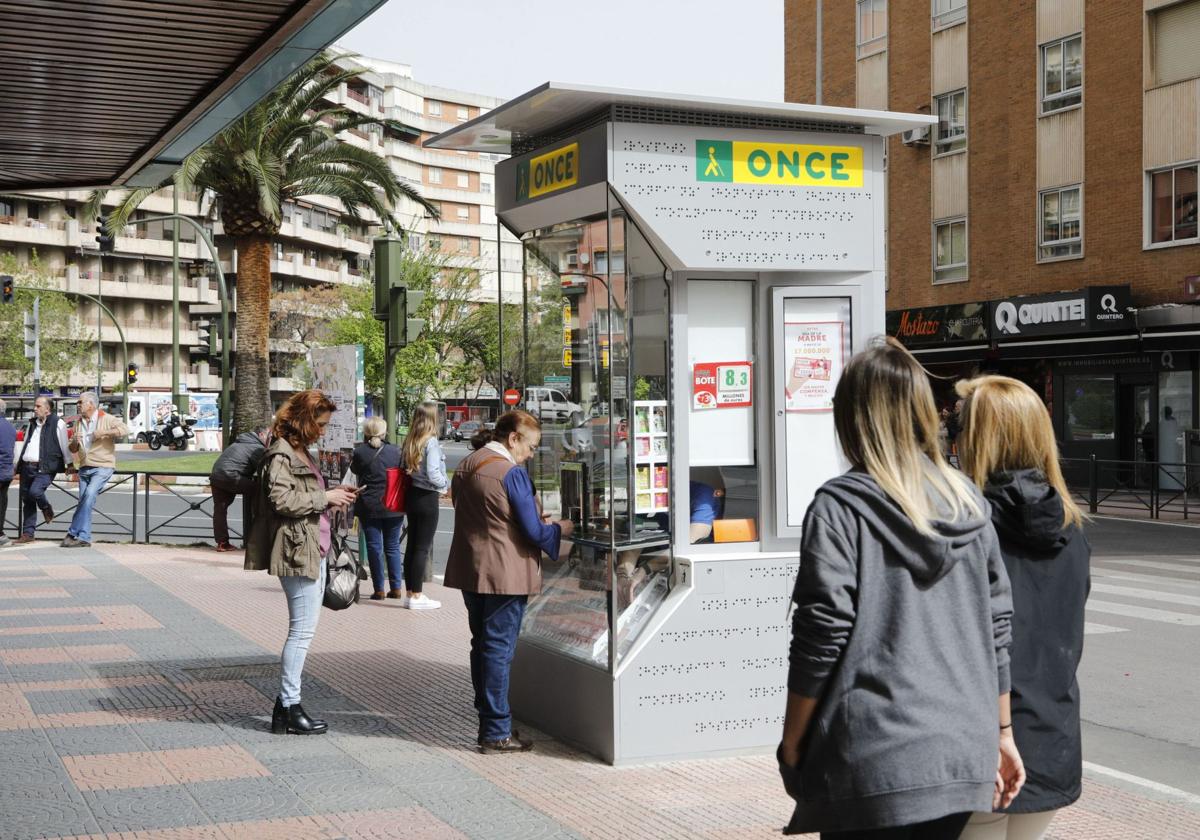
column 713, row 678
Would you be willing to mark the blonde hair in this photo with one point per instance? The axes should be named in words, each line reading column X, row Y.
column 423, row 427
column 1005, row 427
column 374, row 428
column 887, row 424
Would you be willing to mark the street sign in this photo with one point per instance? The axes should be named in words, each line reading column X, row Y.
column 553, row 381
column 512, row 396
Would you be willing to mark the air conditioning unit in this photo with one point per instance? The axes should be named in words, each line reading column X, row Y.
column 573, row 259
column 916, row 136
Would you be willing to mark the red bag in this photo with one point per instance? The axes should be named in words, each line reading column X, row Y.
column 398, row 481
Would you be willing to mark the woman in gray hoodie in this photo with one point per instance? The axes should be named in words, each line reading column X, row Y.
column 897, row 714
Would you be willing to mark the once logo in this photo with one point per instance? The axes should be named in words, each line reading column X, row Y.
column 785, row 164
column 549, row 172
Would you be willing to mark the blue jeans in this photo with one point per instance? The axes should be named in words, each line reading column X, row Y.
column 495, row 621
column 383, row 538
column 304, row 596
column 91, row 482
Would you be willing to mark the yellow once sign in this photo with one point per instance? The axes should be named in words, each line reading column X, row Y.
column 790, row 164
column 549, row 172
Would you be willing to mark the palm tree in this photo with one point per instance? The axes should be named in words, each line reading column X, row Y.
column 284, row 147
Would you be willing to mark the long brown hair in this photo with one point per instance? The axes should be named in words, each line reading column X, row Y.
column 424, row 426
column 887, row 424
column 296, row 420
column 1005, row 427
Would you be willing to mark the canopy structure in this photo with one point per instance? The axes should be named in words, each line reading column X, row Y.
column 100, row 93
column 538, row 113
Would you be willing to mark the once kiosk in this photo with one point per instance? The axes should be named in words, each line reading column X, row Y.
column 697, row 273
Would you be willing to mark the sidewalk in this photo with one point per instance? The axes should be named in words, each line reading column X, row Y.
column 136, row 685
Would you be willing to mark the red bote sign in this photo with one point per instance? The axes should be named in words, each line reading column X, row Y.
column 512, row 396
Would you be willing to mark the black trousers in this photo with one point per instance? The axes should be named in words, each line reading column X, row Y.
column 421, row 507
column 945, row 828
column 4, row 485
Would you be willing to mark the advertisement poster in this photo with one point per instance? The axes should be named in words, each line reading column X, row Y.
column 338, row 371
column 721, row 385
column 205, row 409
column 814, row 355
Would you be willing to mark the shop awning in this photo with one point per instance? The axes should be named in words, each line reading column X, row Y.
column 117, row 92
column 543, row 109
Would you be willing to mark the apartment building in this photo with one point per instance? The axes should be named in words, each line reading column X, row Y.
column 317, row 244
column 1046, row 227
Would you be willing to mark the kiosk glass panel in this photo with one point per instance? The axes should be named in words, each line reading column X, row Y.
column 605, row 457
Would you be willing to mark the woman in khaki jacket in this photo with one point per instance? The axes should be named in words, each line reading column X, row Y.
column 496, row 560
column 290, row 537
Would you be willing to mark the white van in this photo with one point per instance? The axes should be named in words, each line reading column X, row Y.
column 552, row 406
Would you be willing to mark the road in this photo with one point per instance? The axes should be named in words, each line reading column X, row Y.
column 1140, row 676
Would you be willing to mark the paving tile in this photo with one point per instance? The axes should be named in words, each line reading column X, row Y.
column 74, row 653
column 117, row 771
column 142, row 809
column 173, row 735
column 347, row 790
column 94, row 740
column 248, row 799
column 412, row 823
column 210, row 764
column 37, row 816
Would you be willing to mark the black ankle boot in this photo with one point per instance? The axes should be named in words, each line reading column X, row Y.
column 292, row 720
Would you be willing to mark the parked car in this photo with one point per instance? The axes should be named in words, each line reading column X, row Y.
column 466, row 429
column 551, row 405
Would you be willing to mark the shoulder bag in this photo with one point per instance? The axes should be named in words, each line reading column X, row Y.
column 398, row 482
column 342, row 575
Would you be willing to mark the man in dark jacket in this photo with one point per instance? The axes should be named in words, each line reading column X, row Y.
column 43, row 456
column 233, row 473
column 8, row 445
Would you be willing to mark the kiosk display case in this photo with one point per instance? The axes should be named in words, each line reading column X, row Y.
column 709, row 267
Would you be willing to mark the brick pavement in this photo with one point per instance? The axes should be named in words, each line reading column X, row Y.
column 136, row 684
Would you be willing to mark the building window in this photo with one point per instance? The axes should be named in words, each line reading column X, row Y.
column 464, row 180
column 872, row 26
column 950, row 251
column 485, row 186
column 1174, row 33
column 947, row 12
column 464, row 245
column 435, row 109
column 435, row 243
column 1061, row 214
column 463, row 114
column 951, row 111
column 435, row 175
column 7, row 210
column 464, row 213
column 1173, row 204
column 1062, row 74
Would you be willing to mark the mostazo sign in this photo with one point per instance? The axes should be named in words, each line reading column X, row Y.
column 548, row 172
column 939, row 324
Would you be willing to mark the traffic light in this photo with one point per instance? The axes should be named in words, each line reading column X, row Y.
column 131, row 373
column 31, row 334
column 402, row 329
column 205, row 347
column 7, row 282
column 104, row 240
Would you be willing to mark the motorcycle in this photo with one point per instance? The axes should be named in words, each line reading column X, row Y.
column 174, row 432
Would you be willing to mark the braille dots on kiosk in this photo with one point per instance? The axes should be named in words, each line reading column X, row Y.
column 713, row 264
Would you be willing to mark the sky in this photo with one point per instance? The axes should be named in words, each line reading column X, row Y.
column 718, row 49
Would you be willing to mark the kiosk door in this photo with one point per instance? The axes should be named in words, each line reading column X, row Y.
column 812, row 339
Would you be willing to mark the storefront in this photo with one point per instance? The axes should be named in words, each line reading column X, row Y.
column 1119, row 383
column 705, row 270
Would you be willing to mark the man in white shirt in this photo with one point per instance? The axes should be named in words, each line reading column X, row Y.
column 43, row 456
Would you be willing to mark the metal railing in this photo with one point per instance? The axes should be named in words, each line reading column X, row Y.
column 1136, row 488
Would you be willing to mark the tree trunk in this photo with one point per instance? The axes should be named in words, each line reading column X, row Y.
column 252, row 361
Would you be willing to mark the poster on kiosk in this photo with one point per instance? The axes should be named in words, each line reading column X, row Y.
column 702, row 270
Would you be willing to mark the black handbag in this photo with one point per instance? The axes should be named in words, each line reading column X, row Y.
column 342, row 575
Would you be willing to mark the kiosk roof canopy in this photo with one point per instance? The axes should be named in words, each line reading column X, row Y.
column 554, row 105
column 117, row 92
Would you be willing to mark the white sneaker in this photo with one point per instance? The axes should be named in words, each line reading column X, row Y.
column 420, row 601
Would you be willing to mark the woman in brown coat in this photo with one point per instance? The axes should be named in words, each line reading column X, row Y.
column 290, row 537
column 495, row 559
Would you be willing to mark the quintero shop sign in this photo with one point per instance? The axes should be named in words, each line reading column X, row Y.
column 960, row 322
column 1094, row 309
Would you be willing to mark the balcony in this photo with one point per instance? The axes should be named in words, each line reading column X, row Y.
column 162, row 202
column 56, row 234
column 144, row 331
column 337, row 239
column 137, row 286
column 319, row 271
column 136, row 241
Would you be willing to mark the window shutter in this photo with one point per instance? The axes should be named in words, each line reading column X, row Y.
column 1176, row 34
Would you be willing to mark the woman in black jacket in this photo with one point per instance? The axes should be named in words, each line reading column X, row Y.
column 1007, row 446
column 371, row 460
